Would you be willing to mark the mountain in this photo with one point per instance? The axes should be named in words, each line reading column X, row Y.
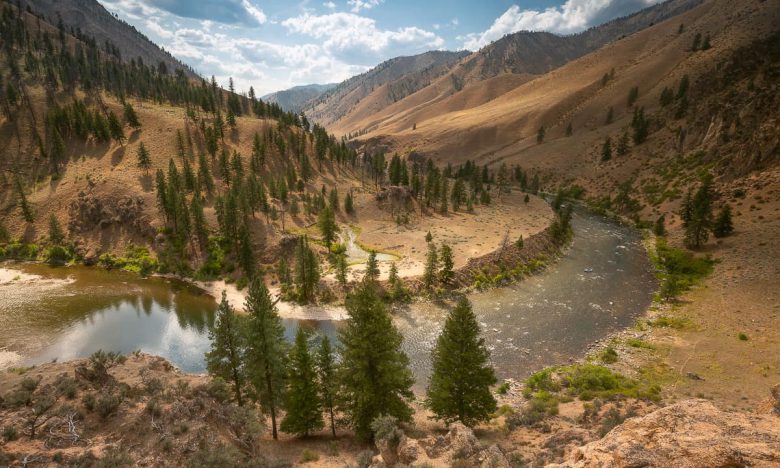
column 90, row 18
column 481, row 76
column 296, row 98
column 393, row 79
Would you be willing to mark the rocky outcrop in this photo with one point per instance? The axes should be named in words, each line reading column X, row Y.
column 88, row 212
column 689, row 434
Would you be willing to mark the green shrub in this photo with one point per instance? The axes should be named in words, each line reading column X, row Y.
column 540, row 406
column 107, row 404
column 10, row 433
column 609, row 355
column 309, row 456
column 503, row 388
column 637, row 343
column 365, row 458
column 742, row 337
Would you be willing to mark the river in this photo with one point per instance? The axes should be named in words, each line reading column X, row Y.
column 61, row 313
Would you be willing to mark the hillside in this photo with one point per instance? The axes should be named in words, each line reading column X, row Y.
column 296, row 98
column 414, row 72
column 90, row 18
column 482, row 76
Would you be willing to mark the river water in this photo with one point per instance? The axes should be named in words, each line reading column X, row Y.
column 61, row 313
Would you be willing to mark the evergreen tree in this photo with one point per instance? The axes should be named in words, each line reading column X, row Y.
column 115, row 128
column 266, row 350
column 372, row 268
column 348, row 203
column 446, row 274
column 606, row 150
column 225, row 359
column 246, row 256
column 56, row 236
column 144, row 160
column 697, row 215
column 633, row 95
column 610, row 115
column 459, row 389
column 327, row 380
column 334, row 200
column 340, row 263
column 622, row 148
column 640, row 125
column 723, row 225
column 326, row 221
column 659, row 228
column 307, row 270
column 24, row 206
column 431, row 266
column 131, row 118
column 199, row 222
column 569, row 130
column 540, row 135
column 302, row 401
column 374, row 372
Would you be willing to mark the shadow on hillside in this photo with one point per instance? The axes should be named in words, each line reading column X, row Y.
column 146, row 182
column 118, row 155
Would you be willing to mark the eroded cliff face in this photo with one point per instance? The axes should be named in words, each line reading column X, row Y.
column 692, row 433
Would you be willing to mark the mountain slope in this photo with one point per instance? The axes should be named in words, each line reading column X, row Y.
column 493, row 70
column 296, row 98
column 417, row 69
column 92, row 19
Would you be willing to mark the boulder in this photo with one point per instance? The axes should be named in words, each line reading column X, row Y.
column 461, row 441
column 688, row 434
column 408, row 450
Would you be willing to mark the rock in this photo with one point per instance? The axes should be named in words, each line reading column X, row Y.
column 408, row 450
column 493, row 457
column 693, row 376
column 461, row 441
column 388, row 451
column 688, row 434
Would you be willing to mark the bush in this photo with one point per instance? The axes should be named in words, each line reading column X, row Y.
column 503, row 388
column 89, row 401
column 154, row 408
column 10, row 433
column 67, row 386
column 742, row 337
column 309, row 456
column 386, row 428
column 365, row 458
column 541, row 405
column 107, row 404
column 609, row 355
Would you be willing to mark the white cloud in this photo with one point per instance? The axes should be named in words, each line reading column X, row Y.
column 358, row 5
column 330, row 5
column 352, row 36
column 573, row 16
column 159, row 30
column 254, row 12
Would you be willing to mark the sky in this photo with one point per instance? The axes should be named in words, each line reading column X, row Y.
column 276, row 44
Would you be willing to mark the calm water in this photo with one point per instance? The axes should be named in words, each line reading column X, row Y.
column 71, row 312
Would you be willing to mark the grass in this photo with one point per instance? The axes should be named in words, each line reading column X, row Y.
column 588, row 381
column 678, row 270
column 638, row 343
column 677, row 323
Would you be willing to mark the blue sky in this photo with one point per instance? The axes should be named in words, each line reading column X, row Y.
column 277, row 44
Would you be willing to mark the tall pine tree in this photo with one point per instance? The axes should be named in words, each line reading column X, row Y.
column 266, row 350
column 302, row 402
column 225, row 359
column 374, row 374
column 326, row 377
column 459, row 389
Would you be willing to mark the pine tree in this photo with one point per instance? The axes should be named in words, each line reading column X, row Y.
column 246, row 256
column 334, row 200
column 569, row 130
column 131, row 118
column 622, row 148
column 459, row 389
column 56, row 236
column 659, row 228
column 24, row 206
column 697, row 215
column 540, row 135
column 115, row 128
column 266, row 351
column 199, row 222
column 723, row 225
column 606, row 150
column 326, row 221
column 302, row 401
column 374, row 372
column 372, row 268
column 633, row 95
column 348, row 204
column 446, row 274
column 225, row 359
column 431, row 266
column 307, row 270
column 144, row 160
column 610, row 115
column 327, row 380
